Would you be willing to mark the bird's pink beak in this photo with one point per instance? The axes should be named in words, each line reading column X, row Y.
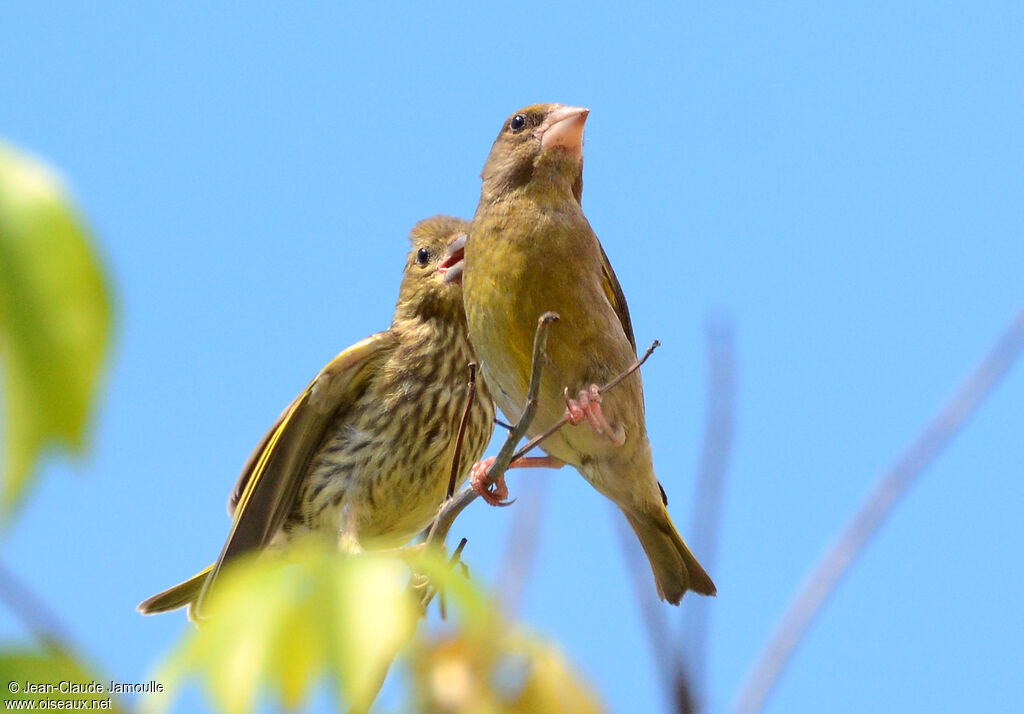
column 454, row 260
column 563, row 127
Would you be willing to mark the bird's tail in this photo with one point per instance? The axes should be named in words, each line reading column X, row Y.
column 176, row 596
column 676, row 570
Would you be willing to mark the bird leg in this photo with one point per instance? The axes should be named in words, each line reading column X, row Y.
column 587, row 405
column 537, row 462
column 496, row 493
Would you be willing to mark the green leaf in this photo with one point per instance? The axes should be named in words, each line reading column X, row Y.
column 54, row 319
column 53, row 675
column 278, row 624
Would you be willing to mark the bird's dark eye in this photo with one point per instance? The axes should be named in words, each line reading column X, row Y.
column 517, row 123
column 422, row 256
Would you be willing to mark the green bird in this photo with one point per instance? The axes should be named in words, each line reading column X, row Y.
column 530, row 250
column 365, row 452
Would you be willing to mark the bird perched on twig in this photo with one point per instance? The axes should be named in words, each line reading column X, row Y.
column 365, row 451
column 530, row 250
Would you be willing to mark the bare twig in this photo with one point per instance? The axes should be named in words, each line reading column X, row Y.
column 456, row 559
column 504, row 425
column 680, row 683
column 601, row 390
column 717, row 443
column 452, row 507
column 666, row 655
column 458, row 552
column 470, row 396
column 836, row 560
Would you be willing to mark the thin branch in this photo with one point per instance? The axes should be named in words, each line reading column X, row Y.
column 470, row 396
column 707, row 512
column 666, row 654
column 522, row 542
column 458, row 552
column 681, row 683
column 837, row 559
column 456, row 559
column 40, row 620
column 601, row 390
column 452, row 507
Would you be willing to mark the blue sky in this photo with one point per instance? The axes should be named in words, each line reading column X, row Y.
column 843, row 179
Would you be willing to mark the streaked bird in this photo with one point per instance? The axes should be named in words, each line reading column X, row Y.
column 365, row 451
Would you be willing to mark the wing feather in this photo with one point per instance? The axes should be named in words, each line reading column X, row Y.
column 613, row 291
column 270, row 480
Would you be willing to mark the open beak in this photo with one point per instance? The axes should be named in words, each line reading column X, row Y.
column 451, row 266
column 563, row 127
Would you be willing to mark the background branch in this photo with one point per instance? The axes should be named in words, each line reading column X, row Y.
column 40, row 620
column 823, row 578
column 665, row 652
column 522, row 543
column 679, row 659
column 707, row 508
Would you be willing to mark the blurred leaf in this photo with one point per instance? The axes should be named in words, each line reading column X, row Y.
column 41, row 667
column 489, row 665
column 514, row 672
column 281, row 623
column 477, row 613
column 54, row 319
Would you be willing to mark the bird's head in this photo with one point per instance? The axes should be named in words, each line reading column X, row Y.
column 540, row 146
column 432, row 282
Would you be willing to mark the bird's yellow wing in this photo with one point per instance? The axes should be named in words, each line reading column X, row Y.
column 270, row 479
column 610, row 283
column 613, row 291
column 250, row 465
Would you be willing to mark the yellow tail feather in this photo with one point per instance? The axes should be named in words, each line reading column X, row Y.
column 675, row 568
column 177, row 596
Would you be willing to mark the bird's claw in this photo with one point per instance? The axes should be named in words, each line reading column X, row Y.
column 419, row 581
column 587, row 405
column 495, row 493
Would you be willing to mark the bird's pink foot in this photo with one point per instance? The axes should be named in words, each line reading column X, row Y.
column 497, row 493
column 587, row 405
column 494, row 493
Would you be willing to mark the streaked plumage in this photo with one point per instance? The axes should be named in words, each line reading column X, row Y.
column 368, row 445
column 530, row 250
